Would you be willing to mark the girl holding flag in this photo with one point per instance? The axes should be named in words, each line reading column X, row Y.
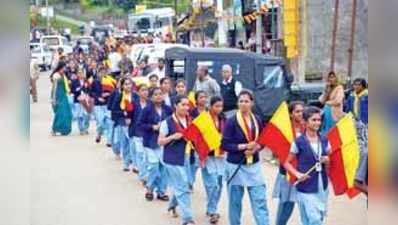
column 122, row 110
column 214, row 168
column 60, row 90
column 243, row 167
column 151, row 117
column 192, row 159
column 171, row 137
column 108, row 84
column 311, row 151
column 282, row 188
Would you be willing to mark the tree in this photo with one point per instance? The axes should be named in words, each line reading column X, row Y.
column 126, row 5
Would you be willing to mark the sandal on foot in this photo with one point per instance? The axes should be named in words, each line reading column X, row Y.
column 214, row 218
column 173, row 212
column 149, row 196
column 163, row 198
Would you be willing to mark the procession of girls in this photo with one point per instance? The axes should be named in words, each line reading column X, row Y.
column 144, row 126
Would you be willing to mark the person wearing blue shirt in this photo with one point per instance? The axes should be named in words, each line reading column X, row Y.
column 123, row 108
column 192, row 159
column 214, row 167
column 99, row 110
column 243, row 167
column 135, row 133
column 151, row 117
column 111, row 129
column 283, row 190
column 171, row 137
column 357, row 102
column 79, row 91
column 311, row 150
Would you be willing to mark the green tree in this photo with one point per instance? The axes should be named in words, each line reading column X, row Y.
column 126, row 5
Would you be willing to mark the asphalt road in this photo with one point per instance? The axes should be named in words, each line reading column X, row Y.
column 77, row 182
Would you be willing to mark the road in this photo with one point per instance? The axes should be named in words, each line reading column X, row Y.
column 77, row 182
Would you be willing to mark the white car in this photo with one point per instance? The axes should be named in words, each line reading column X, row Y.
column 151, row 51
column 41, row 54
column 55, row 42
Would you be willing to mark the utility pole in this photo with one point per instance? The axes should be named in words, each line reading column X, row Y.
column 352, row 41
column 334, row 35
column 202, row 23
column 221, row 28
column 176, row 19
column 259, row 29
column 302, row 42
column 47, row 18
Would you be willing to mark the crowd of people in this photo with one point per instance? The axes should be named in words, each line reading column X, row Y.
column 143, row 124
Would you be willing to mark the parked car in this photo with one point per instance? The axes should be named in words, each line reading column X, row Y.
column 41, row 54
column 151, row 51
column 266, row 76
column 57, row 41
column 85, row 42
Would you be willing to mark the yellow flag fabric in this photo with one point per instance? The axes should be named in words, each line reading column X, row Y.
column 281, row 119
column 209, row 132
column 350, row 147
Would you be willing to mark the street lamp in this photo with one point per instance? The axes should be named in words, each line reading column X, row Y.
column 47, row 18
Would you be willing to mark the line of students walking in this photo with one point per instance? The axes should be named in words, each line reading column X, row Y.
column 146, row 133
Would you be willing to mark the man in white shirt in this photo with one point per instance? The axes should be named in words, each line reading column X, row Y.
column 160, row 70
column 115, row 58
column 230, row 90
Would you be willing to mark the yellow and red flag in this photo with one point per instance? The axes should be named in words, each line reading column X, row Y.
column 108, row 83
column 204, row 135
column 278, row 135
column 344, row 156
column 192, row 101
column 126, row 102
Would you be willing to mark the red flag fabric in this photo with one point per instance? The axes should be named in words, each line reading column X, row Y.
column 344, row 156
column 204, row 135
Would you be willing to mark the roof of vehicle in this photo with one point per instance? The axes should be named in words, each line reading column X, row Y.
column 308, row 86
column 159, row 11
column 37, row 44
column 53, row 36
column 177, row 52
column 85, row 37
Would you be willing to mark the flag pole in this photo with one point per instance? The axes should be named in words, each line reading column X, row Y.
column 306, row 173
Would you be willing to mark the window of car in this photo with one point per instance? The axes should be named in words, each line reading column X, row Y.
column 85, row 41
column 215, row 67
column 51, row 41
column 272, row 77
column 177, row 69
column 35, row 49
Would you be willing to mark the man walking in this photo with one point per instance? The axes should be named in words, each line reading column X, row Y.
column 206, row 83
